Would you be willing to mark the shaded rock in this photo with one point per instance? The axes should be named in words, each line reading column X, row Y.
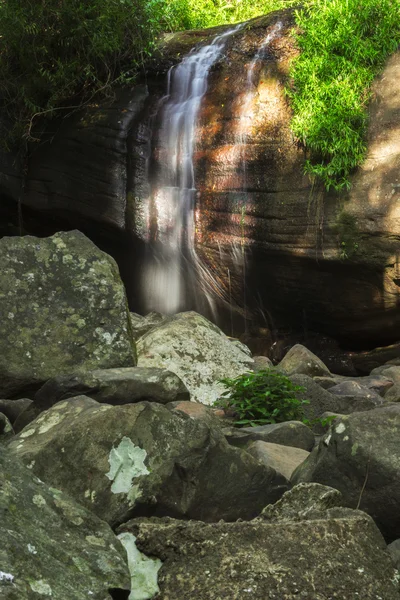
column 305, row 551
column 64, row 309
column 13, row 408
column 365, row 362
column 144, row 459
column 262, row 362
column 360, row 456
column 300, row 360
column 6, row 430
column 355, row 390
column 326, row 382
column 284, row 459
column 290, row 433
column 393, row 395
column 197, row 351
column 301, row 502
column 379, row 384
column 141, row 325
column 321, row 401
column 26, row 416
column 52, row 546
column 390, row 371
column 115, row 386
column 394, row 549
column 195, row 410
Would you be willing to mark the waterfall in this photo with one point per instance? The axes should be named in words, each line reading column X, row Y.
column 173, row 268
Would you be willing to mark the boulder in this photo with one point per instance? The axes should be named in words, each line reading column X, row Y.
column 50, row 545
column 393, row 395
column 356, row 390
column 115, row 386
column 300, row 360
column 290, row 433
column 141, row 325
column 63, row 309
column 261, row 363
column 321, row 401
column 389, row 371
column 13, row 408
column 214, row 417
column 394, row 549
column 6, row 430
column 360, row 456
column 306, row 549
column 142, row 458
column 197, row 351
column 284, row 459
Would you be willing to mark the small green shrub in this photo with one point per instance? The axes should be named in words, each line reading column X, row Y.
column 263, row 397
column 344, row 44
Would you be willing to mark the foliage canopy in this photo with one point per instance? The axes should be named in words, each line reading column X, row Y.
column 344, row 44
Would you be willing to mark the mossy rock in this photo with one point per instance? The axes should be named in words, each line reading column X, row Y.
column 63, row 309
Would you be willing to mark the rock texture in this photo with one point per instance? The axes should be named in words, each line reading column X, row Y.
column 50, row 545
column 63, row 309
column 197, row 351
column 142, row 458
column 115, row 386
column 289, row 433
column 342, row 554
column 360, row 456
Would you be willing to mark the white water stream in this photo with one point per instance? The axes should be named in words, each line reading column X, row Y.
column 173, row 199
column 173, row 269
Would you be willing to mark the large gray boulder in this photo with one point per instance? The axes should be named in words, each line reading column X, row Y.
column 122, row 460
column 115, row 386
column 321, row 401
column 197, row 351
column 63, row 308
column 360, row 456
column 50, row 545
column 301, row 360
column 306, row 549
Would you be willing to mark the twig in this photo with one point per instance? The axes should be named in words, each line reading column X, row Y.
column 365, row 480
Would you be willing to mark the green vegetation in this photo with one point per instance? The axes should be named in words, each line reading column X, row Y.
column 344, row 44
column 263, row 397
column 348, row 235
column 60, row 55
column 57, row 56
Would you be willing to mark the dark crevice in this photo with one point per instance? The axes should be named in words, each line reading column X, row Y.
column 118, row 594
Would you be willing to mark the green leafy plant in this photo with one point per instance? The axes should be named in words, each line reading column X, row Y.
column 344, row 44
column 263, row 397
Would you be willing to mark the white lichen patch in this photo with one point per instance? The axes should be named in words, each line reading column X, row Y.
column 32, row 549
column 340, row 428
column 38, row 500
column 28, row 433
column 126, row 463
column 41, row 587
column 31, row 465
column 143, row 570
column 7, row 577
column 52, row 420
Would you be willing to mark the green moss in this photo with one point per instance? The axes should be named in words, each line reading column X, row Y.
column 344, row 44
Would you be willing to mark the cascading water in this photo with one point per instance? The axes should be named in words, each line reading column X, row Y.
column 173, row 267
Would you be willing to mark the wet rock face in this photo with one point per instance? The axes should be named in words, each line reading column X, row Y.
column 317, row 260
column 50, row 545
column 63, row 308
